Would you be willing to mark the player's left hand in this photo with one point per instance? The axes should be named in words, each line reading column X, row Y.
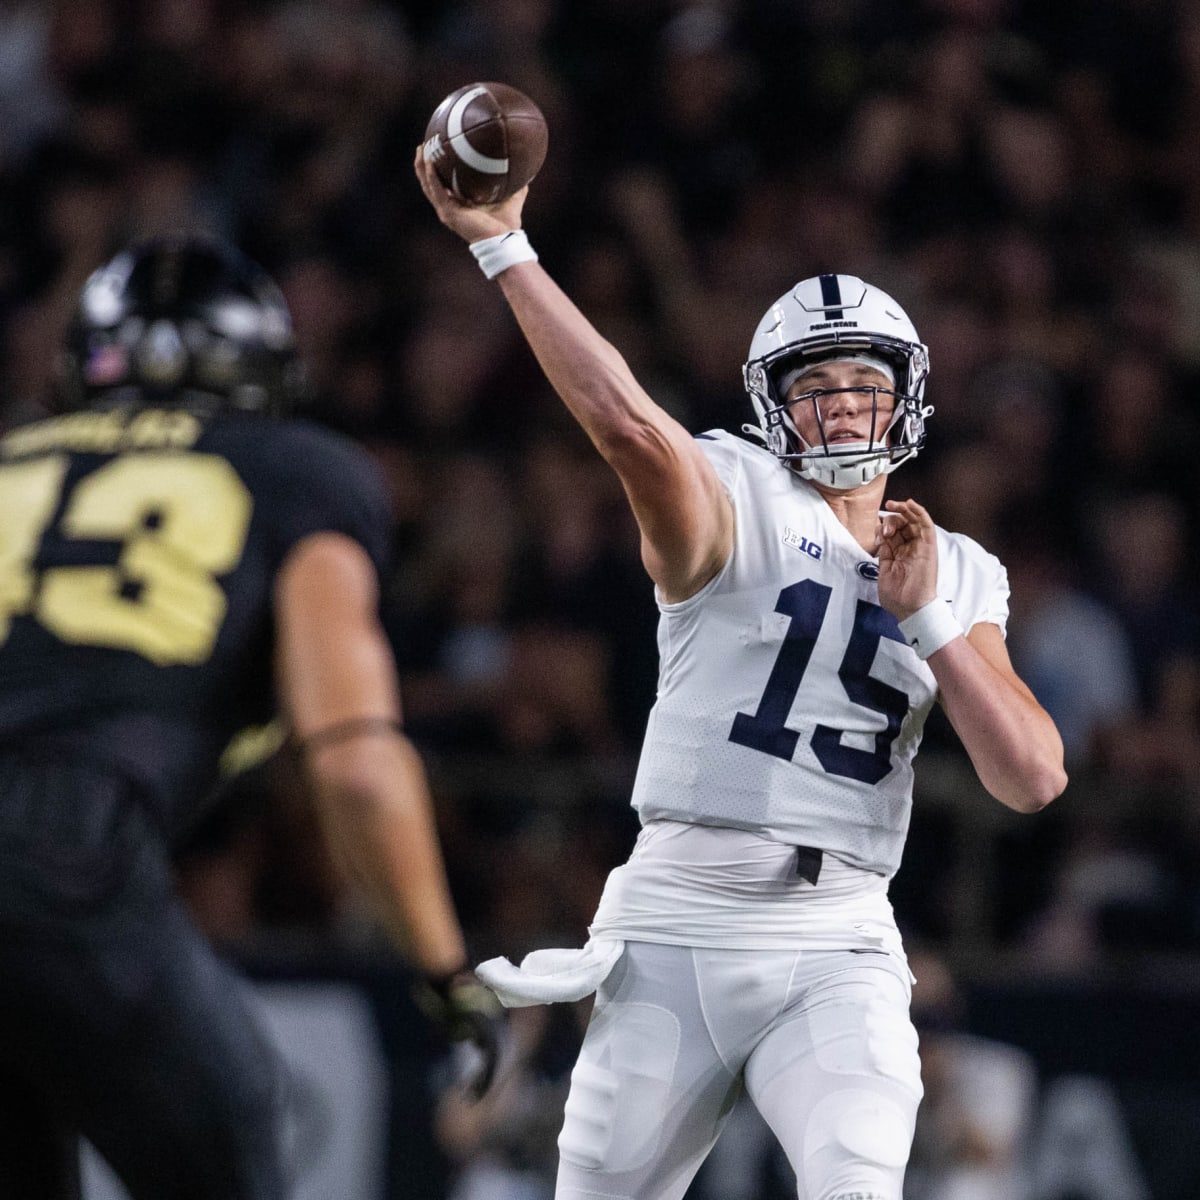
column 908, row 566
column 466, row 1010
column 472, row 223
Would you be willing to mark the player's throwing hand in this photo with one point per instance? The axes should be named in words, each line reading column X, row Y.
column 471, row 223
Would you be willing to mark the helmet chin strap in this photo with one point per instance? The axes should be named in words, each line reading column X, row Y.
column 846, row 470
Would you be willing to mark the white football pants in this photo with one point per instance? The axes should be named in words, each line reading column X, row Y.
column 821, row 1040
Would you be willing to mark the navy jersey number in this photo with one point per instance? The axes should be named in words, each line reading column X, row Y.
column 805, row 604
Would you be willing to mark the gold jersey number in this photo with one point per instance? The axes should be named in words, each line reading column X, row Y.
column 181, row 521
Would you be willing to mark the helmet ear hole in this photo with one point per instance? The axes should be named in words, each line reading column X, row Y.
column 181, row 320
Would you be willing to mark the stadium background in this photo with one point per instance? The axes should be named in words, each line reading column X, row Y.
column 1023, row 176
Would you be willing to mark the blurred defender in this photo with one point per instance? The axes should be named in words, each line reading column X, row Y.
column 175, row 559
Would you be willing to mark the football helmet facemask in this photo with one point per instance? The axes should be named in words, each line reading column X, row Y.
column 182, row 321
column 837, row 317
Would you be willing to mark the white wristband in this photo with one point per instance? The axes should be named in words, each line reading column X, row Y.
column 930, row 628
column 496, row 254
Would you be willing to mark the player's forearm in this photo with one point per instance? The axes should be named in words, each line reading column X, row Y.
column 683, row 513
column 376, row 810
column 1011, row 740
column 585, row 369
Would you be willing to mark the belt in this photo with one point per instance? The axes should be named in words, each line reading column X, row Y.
column 808, row 863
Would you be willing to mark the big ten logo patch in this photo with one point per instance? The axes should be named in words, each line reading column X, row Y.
column 799, row 542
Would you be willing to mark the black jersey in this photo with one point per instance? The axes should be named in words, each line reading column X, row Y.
column 138, row 554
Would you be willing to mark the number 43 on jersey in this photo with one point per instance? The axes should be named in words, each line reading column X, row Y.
column 180, row 521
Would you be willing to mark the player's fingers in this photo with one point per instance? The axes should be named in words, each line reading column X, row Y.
column 894, row 513
column 915, row 512
column 915, row 521
column 894, row 527
column 516, row 202
column 421, row 168
column 437, row 195
column 430, row 184
column 901, row 533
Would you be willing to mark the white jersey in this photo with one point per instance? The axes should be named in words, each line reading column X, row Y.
column 788, row 702
column 703, row 885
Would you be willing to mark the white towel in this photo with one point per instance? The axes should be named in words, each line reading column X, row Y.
column 551, row 976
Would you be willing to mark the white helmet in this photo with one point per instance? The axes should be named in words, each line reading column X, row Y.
column 837, row 316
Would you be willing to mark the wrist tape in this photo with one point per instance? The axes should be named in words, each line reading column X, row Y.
column 496, row 254
column 930, row 628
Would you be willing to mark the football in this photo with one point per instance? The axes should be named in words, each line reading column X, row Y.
column 486, row 141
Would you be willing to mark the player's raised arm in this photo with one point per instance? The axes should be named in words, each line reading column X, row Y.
column 685, row 517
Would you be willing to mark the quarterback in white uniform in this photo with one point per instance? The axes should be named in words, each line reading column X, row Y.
column 807, row 627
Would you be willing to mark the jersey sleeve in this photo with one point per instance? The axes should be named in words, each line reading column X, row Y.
column 329, row 484
column 976, row 582
column 723, row 450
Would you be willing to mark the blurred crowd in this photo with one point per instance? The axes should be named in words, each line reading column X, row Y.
column 1022, row 176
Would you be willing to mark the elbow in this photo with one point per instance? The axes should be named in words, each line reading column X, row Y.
column 349, row 777
column 1037, row 790
column 632, row 433
column 366, row 779
column 629, row 442
column 1030, row 775
column 1057, row 784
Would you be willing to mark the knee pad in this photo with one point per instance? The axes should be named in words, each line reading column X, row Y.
column 856, row 1144
column 620, row 1089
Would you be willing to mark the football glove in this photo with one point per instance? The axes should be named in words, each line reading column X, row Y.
column 465, row 1010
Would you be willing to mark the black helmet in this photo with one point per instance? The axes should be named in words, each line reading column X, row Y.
column 182, row 320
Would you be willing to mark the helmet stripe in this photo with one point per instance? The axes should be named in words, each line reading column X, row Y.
column 831, row 297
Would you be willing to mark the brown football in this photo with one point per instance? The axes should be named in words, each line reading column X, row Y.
column 486, row 141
